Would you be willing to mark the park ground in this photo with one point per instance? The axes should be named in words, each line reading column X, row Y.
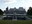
column 16, row 22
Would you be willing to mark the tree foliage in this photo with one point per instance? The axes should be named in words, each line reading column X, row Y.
column 1, row 12
column 29, row 12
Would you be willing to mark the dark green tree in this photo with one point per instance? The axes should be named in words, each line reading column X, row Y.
column 1, row 12
column 29, row 12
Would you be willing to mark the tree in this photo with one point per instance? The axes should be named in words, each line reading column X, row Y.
column 1, row 12
column 29, row 12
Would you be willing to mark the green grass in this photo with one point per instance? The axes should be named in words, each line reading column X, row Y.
column 16, row 22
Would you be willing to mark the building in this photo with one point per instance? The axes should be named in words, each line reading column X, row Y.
column 15, row 13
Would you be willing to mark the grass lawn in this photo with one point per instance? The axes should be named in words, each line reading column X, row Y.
column 16, row 22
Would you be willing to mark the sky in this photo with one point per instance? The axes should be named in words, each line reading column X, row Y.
column 15, row 3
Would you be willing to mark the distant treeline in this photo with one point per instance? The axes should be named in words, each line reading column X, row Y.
column 29, row 11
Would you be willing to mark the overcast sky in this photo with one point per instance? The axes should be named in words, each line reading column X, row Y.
column 15, row 3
